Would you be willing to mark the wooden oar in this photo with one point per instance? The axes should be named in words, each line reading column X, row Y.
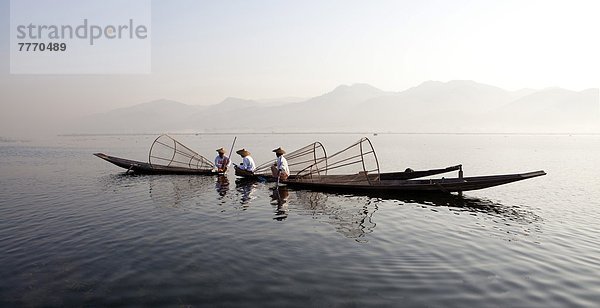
column 229, row 157
column 278, row 175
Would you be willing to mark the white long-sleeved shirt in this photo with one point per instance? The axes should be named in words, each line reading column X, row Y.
column 282, row 164
column 220, row 161
column 248, row 164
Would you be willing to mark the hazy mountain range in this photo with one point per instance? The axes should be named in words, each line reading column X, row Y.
column 436, row 107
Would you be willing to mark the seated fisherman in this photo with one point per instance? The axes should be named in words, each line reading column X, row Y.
column 222, row 162
column 247, row 164
column 280, row 168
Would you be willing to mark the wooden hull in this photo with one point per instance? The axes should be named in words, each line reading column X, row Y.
column 403, row 175
column 433, row 185
column 384, row 177
column 146, row 168
column 251, row 176
column 407, row 175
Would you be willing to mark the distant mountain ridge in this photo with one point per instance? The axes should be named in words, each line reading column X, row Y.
column 432, row 106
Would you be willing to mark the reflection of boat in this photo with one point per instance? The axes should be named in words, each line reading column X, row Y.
column 353, row 214
column 357, row 169
column 176, row 191
column 168, row 191
column 349, row 215
column 460, row 203
column 166, row 156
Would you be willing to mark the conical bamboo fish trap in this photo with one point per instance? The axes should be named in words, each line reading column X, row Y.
column 168, row 152
column 300, row 159
column 355, row 164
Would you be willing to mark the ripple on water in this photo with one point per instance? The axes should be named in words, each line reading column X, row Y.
column 75, row 231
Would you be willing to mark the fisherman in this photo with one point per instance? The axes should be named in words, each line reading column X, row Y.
column 280, row 168
column 222, row 162
column 247, row 161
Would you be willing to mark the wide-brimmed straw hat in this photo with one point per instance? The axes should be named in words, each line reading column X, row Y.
column 279, row 150
column 221, row 151
column 243, row 152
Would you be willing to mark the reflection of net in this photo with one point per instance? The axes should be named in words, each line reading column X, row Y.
column 354, row 164
column 298, row 160
column 350, row 216
column 166, row 151
column 312, row 200
column 179, row 191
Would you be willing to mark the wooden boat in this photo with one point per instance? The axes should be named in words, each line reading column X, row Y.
column 410, row 174
column 356, row 168
column 146, row 168
column 447, row 185
column 402, row 175
column 166, row 156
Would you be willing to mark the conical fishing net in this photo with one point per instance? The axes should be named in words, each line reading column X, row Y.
column 354, row 164
column 313, row 154
column 166, row 151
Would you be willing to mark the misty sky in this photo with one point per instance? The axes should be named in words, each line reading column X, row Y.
column 204, row 51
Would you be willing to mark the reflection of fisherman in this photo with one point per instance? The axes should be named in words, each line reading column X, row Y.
column 247, row 165
column 246, row 189
column 280, row 168
column 222, row 162
column 222, row 185
column 279, row 197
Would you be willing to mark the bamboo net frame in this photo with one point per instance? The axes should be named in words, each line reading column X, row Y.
column 300, row 159
column 168, row 152
column 357, row 163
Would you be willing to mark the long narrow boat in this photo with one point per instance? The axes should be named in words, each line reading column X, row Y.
column 146, row 168
column 446, row 185
column 166, row 156
column 356, row 168
column 410, row 174
column 401, row 175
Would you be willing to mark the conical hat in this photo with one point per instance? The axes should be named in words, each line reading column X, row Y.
column 243, row 152
column 221, row 151
column 279, row 150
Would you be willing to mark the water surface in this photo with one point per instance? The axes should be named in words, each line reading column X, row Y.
column 76, row 230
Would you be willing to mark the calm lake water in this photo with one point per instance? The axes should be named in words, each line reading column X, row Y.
column 75, row 230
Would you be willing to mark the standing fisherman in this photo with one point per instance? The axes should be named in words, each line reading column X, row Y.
column 222, row 162
column 280, row 168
